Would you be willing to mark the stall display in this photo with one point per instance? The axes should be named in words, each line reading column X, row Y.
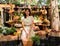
column 40, row 19
column 7, row 38
column 29, row 23
column 40, row 26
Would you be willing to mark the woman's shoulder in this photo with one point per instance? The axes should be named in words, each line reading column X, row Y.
column 31, row 16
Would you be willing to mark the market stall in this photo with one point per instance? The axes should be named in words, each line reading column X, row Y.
column 13, row 18
column 40, row 21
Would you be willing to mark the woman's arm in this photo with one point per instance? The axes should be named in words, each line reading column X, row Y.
column 23, row 26
column 27, row 35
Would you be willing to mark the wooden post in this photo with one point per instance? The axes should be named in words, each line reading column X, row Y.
column 54, row 15
column 2, row 22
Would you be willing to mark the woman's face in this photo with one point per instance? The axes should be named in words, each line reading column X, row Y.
column 43, row 7
column 27, row 12
column 19, row 10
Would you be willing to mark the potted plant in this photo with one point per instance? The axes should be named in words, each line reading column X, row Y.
column 36, row 40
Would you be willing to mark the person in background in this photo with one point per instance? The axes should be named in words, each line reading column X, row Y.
column 20, row 13
column 15, row 13
column 27, row 23
column 6, row 17
column 44, row 11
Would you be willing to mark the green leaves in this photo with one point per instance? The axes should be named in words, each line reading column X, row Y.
column 10, row 30
column 36, row 17
column 58, row 2
column 40, row 0
column 48, row 2
column 35, row 39
column 1, row 29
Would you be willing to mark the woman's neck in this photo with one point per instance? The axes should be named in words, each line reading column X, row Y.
column 27, row 16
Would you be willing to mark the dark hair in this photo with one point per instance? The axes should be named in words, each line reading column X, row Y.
column 15, row 9
column 43, row 7
column 29, row 12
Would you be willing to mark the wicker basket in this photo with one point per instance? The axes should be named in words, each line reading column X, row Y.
column 27, row 43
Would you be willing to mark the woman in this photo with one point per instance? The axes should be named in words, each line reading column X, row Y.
column 27, row 23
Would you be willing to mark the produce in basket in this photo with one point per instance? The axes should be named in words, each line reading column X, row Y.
column 9, row 31
column 35, row 39
column 45, row 21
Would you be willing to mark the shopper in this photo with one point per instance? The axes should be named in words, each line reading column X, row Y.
column 27, row 23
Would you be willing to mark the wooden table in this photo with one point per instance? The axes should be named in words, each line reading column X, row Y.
column 8, row 40
column 41, row 34
column 42, row 26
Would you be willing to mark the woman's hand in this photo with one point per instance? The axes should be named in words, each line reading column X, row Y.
column 27, row 35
